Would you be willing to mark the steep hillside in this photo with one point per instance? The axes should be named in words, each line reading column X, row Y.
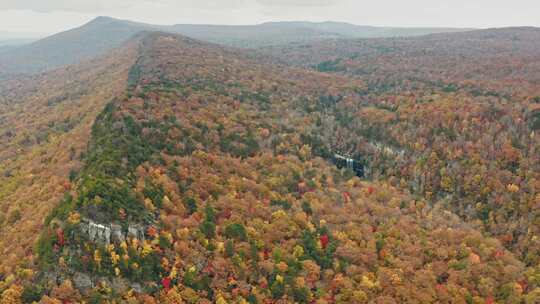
column 89, row 41
column 209, row 181
column 45, row 123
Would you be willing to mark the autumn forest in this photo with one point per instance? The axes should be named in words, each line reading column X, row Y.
column 329, row 170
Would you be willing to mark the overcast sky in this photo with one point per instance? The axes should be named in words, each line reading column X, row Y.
column 49, row 16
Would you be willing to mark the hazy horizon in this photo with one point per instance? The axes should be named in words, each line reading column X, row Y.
column 58, row 15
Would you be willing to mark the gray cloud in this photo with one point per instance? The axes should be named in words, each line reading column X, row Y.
column 97, row 6
column 304, row 3
column 81, row 6
column 56, row 15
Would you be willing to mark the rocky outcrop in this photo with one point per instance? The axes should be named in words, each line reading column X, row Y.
column 343, row 161
column 96, row 232
column 117, row 236
column 389, row 150
column 107, row 233
column 85, row 282
column 136, row 232
column 82, row 281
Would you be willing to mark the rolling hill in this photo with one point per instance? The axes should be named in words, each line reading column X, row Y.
column 280, row 33
column 503, row 59
column 461, row 111
column 347, row 30
column 45, row 122
column 103, row 34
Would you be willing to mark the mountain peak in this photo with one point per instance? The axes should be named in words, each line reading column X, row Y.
column 102, row 20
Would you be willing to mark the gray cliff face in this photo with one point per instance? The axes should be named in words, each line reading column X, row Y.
column 86, row 282
column 106, row 233
column 102, row 234
column 82, row 281
column 117, row 235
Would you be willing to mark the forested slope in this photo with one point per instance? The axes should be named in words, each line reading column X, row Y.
column 502, row 61
column 457, row 116
column 209, row 181
column 45, row 123
column 94, row 39
column 103, row 34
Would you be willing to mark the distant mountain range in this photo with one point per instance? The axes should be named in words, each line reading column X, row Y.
column 16, row 41
column 105, row 33
column 9, row 40
column 7, row 35
column 276, row 33
column 343, row 29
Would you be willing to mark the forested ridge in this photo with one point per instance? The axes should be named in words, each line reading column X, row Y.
column 103, row 34
column 207, row 179
column 45, row 123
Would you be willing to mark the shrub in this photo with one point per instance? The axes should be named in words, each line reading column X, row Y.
column 14, row 216
column 330, row 66
column 277, row 289
column 208, row 229
column 208, row 226
column 306, row 207
column 73, row 174
column 32, row 293
column 236, row 231
column 283, row 204
column 229, row 248
column 301, row 295
column 323, row 257
column 44, row 248
column 190, row 204
column 154, row 192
